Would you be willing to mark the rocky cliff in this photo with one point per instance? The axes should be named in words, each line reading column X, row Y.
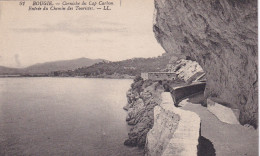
column 221, row 35
column 142, row 98
column 186, row 70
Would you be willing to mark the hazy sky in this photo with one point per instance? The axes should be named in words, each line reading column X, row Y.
column 29, row 37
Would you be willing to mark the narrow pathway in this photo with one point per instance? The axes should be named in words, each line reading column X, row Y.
column 225, row 139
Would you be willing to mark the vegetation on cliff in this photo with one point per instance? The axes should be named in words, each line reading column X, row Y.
column 120, row 69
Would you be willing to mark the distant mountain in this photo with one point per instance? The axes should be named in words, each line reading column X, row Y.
column 10, row 71
column 61, row 65
column 44, row 68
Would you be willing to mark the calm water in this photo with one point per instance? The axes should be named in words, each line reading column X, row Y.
column 63, row 116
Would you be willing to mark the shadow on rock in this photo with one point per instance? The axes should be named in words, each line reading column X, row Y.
column 198, row 98
column 206, row 148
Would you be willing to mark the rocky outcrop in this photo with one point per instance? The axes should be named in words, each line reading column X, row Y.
column 186, row 70
column 221, row 35
column 142, row 98
column 173, row 133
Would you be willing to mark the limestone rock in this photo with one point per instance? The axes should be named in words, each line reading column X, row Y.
column 175, row 131
column 186, row 70
column 221, row 35
column 165, row 124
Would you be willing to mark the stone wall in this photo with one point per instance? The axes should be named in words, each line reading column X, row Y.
column 159, row 76
column 179, row 93
column 173, row 132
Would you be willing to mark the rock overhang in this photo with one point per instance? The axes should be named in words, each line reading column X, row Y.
column 222, row 37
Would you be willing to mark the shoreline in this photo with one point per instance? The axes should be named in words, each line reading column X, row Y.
column 66, row 77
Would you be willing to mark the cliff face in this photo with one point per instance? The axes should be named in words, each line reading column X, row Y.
column 221, row 35
column 142, row 98
column 186, row 70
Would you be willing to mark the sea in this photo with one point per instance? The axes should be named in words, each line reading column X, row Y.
column 44, row 116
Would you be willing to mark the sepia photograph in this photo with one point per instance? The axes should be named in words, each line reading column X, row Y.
column 129, row 78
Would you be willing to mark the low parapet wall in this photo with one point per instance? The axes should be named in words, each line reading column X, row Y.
column 181, row 92
column 175, row 131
